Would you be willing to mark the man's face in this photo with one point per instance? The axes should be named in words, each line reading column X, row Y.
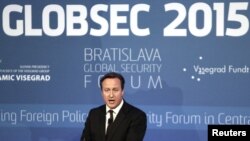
column 112, row 92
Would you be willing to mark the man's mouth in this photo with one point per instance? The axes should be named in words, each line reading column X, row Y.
column 111, row 101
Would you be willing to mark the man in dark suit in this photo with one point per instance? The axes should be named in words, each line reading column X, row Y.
column 124, row 123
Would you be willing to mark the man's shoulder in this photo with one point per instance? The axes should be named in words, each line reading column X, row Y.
column 98, row 109
column 133, row 109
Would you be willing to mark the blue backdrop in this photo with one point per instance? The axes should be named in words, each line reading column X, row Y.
column 186, row 64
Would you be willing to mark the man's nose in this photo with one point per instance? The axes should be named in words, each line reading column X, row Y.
column 111, row 94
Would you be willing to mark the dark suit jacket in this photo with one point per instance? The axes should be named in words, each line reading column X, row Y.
column 130, row 125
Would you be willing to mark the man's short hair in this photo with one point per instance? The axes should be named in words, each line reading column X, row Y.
column 113, row 75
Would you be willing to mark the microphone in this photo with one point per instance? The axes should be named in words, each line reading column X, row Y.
column 111, row 118
column 110, row 121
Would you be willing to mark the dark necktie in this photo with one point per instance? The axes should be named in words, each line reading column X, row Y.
column 110, row 120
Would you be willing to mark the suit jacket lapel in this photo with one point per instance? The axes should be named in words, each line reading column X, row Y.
column 102, row 123
column 120, row 117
